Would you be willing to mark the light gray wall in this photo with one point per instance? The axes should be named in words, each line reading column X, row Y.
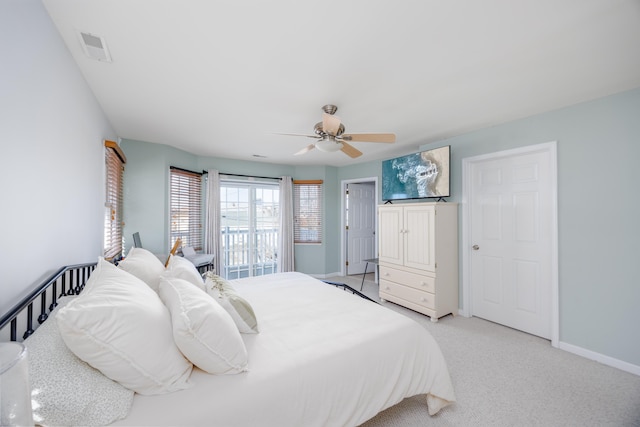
column 146, row 198
column 146, row 191
column 313, row 258
column 598, row 211
column 52, row 149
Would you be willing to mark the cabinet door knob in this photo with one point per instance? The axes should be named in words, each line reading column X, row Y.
column 475, row 247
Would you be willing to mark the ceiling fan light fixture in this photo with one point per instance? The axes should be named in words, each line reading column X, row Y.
column 329, row 145
column 330, row 136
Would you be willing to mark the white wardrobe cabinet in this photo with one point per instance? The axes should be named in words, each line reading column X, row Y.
column 418, row 257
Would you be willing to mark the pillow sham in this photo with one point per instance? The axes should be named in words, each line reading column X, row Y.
column 238, row 308
column 121, row 327
column 66, row 390
column 202, row 330
column 181, row 268
column 144, row 265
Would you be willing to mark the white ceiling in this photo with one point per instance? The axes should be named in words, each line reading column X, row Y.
column 220, row 77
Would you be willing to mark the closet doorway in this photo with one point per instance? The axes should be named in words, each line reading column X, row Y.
column 359, row 224
column 510, row 253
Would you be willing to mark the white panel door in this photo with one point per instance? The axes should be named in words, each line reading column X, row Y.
column 511, row 218
column 361, row 222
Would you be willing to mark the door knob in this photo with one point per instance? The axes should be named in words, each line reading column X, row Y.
column 475, row 247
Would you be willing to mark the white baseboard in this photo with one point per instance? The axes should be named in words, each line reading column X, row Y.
column 601, row 358
column 592, row 355
column 325, row 276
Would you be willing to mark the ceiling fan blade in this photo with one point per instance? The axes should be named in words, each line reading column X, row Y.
column 350, row 150
column 298, row 134
column 370, row 137
column 330, row 124
column 305, row 149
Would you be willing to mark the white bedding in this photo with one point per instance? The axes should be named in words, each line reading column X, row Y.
column 323, row 357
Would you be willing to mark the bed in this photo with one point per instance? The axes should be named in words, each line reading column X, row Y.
column 321, row 357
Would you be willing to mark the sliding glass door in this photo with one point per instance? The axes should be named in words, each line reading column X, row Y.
column 250, row 218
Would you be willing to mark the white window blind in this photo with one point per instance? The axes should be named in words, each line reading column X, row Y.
column 307, row 211
column 114, row 162
column 186, row 207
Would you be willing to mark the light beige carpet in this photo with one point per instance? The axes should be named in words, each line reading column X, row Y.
column 503, row 377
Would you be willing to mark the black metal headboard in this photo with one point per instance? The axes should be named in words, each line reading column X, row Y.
column 68, row 280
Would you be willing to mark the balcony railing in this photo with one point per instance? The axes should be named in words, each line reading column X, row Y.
column 248, row 254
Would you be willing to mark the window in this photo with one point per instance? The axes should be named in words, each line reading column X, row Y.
column 186, row 207
column 307, row 211
column 114, row 165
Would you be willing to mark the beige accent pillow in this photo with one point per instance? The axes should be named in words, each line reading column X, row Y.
column 204, row 331
column 238, row 308
column 181, row 268
column 144, row 265
column 120, row 326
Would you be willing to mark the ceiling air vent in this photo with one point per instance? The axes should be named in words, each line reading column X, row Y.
column 94, row 46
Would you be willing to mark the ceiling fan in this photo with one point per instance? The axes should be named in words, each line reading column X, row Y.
column 331, row 137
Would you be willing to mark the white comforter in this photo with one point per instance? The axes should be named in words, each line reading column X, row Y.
column 323, row 357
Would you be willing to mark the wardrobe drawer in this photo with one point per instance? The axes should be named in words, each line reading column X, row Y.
column 407, row 293
column 417, row 281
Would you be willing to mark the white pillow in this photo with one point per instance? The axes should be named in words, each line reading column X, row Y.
column 238, row 308
column 66, row 390
column 181, row 268
column 203, row 330
column 144, row 265
column 119, row 326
